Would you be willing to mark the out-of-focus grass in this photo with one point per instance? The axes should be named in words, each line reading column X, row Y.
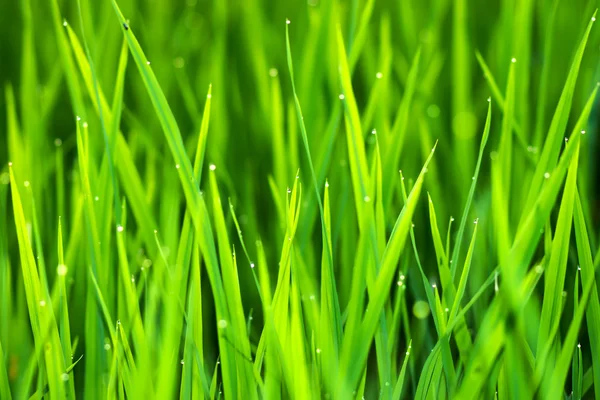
column 378, row 199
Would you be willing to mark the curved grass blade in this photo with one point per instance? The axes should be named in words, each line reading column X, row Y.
column 327, row 248
column 550, row 152
column 357, row 350
column 554, row 276
column 41, row 316
column 126, row 168
column 460, row 292
column 195, row 202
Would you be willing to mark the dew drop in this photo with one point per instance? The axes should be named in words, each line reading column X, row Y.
column 182, row 362
column 583, row 132
column 539, row 269
column 374, row 132
column 85, row 124
column 399, row 283
column 209, row 96
column 489, row 99
column 513, row 60
column 26, row 183
column 120, row 228
column 273, row 72
column 147, row 62
column 42, row 303
column 593, row 19
column 222, row 324
column 367, row 199
column 57, row 142
column 402, row 277
column 96, row 198
column 65, row 22
column 433, row 285
column 318, row 351
column 107, row 346
column 496, row 287
column 547, row 175
column 251, row 265
column 177, row 166
column 342, row 97
column 379, row 75
column 64, row 377
column 287, row 21
column 212, row 167
column 61, row 270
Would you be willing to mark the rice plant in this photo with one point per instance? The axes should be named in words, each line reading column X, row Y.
column 361, row 199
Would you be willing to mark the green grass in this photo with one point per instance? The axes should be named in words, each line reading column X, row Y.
column 322, row 199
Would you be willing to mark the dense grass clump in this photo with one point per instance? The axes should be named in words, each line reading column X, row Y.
column 322, row 199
